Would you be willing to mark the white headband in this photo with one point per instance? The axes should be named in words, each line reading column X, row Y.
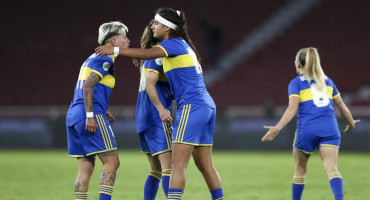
column 165, row 22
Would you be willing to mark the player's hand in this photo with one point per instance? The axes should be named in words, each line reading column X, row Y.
column 110, row 117
column 271, row 134
column 136, row 62
column 351, row 126
column 165, row 115
column 104, row 50
column 91, row 125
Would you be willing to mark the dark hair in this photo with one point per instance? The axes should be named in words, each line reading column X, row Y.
column 182, row 28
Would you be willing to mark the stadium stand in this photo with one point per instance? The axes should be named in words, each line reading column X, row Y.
column 44, row 48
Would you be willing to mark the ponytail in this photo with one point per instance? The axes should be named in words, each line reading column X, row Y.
column 179, row 19
column 310, row 61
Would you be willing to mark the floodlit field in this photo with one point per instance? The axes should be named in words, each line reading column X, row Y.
column 50, row 175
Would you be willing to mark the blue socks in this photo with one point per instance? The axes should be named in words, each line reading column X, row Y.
column 105, row 192
column 217, row 194
column 335, row 180
column 336, row 184
column 166, row 174
column 297, row 187
column 151, row 185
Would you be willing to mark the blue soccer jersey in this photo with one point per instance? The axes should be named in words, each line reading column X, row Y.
column 104, row 67
column 146, row 113
column 316, row 112
column 184, row 73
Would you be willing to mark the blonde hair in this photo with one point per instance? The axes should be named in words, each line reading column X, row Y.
column 309, row 59
column 147, row 40
column 110, row 29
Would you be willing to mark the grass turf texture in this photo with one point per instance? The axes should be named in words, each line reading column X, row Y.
column 50, row 175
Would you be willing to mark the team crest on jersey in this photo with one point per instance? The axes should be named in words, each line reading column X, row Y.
column 159, row 61
column 106, row 66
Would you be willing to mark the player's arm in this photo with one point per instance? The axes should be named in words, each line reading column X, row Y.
column 345, row 113
column 151, row 80
column 288, row 115
column 143, row 54
column 88, row 91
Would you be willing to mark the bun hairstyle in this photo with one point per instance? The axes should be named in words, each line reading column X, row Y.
column 309, row 59
column 179, row 19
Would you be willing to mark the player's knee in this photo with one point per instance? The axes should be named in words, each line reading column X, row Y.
column 178, row 164
column 330, row 169
column 203, row 166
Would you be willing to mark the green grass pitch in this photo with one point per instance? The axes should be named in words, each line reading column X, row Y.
column 50, row 175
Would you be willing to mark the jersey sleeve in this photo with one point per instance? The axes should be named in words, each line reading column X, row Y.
column 169, row 47
column 102, row 66
column 293, row 88
column 335, row 90
column 155, row 65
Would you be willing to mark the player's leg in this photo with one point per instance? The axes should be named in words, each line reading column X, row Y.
column 203, row 153
column 85, row 163
column 157, row 140
column 153, row 179
column 300, row 169
column 165, row 161
column 203, row 160
column 329, row 157
column 110, row 163
column 85, row 170
column 180, row 158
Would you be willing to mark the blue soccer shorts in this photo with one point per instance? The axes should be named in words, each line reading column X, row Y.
column 82, row 143
column 194, row 125
column 156, row 139
column 307, row 142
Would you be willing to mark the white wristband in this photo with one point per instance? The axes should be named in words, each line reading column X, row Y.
column 116, row 51
column 89, row 114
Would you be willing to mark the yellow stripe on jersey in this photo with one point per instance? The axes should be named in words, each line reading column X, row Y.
column 180, row 61
column 329, row 145
column 102, row 131
column 187, row 117
column 107, row 80
column 180, row 124
column 106, row 132
column 154, row 154
column 167, row 134
column 96, row 152
column 306, row 95
column 112, row 57
column 162, row 49
column 294, row 95
column 336, row 96
column 153, row 70
column 162, row 76
column 98, row 73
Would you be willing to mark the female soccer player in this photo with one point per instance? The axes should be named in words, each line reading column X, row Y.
column 196, row 114
column 312, row 94
column 155, row 135
column 88, row 130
